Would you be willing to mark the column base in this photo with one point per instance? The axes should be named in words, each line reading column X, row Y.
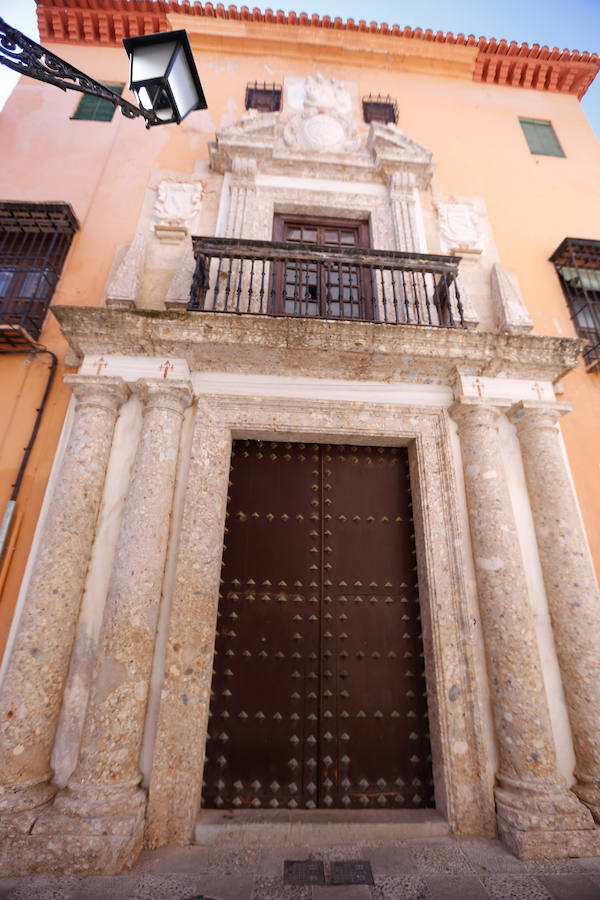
column 589, row 793
column 62, row 844
column 544, row 821
column 549, row 844
column 21, row 806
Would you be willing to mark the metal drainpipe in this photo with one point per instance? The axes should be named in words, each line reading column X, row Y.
column 12, row 503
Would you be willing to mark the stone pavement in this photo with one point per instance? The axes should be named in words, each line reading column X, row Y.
column 443, row 868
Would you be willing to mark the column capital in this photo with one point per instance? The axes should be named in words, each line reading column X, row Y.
column 472, row 411
column 537, row 414
column 157, row 393
column 104, row 391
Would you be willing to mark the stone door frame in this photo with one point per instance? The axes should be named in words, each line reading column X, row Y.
column 463, row 786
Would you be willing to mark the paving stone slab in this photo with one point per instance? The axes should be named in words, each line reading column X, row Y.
column 229, row 862
column 273, row 889
column 515, row 887
column 456, row 887
column 490, row 857
column 178, row 860
column 342, row 892
column 570, row 887
column 406, row 887
column 440, row 858
column 389, row 860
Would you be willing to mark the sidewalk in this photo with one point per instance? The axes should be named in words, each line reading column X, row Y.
column 443, row 868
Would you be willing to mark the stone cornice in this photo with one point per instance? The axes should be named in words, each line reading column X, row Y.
column 106, row 22
column 293, row 347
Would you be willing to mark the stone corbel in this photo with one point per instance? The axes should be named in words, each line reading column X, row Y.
column 124, row 284
column 510, row 311
column 178, row 294
column 244, row 170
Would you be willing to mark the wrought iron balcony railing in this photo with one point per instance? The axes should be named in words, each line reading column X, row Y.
column 311, row 281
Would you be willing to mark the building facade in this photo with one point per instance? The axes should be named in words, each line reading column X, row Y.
column 301, row 529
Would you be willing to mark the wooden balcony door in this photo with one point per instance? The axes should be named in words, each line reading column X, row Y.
column 333, row 291
column 318, row 692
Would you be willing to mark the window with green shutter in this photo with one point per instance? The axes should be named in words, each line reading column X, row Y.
column 540, row 138
column 95, row 109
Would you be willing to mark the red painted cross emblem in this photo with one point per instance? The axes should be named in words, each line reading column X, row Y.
column 478, row 387
column 100, row 364
column 166, row 367
column 537, row 390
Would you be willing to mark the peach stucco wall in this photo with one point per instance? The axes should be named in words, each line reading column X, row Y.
column 102, row 169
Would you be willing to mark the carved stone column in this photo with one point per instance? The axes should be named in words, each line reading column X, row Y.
column 402, row 186
column 240, row 219
column 99, row 817
column 35, row 678
column 537, row 815
column 175, row 785
column 570, row 583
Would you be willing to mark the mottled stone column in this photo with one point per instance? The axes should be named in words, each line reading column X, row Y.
column 175, row 785
column 570, row 583
column 537, row 816
column 35, row 678
column 100, row 814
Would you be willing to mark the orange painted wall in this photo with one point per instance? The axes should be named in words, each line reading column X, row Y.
column 102, row 169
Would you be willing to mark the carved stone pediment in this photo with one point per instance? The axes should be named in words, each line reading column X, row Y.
column 318, row 132
column 393, row 151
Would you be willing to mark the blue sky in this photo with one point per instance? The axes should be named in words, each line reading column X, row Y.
column 574, row 25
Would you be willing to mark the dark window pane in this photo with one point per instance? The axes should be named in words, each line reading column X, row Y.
column 95, row 109
column 541, row 138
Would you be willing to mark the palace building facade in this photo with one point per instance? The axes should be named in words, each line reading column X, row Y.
column 312, row 517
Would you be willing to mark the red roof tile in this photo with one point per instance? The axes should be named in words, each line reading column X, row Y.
column 106, row 22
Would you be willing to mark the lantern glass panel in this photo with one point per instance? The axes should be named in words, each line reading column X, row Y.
column 151, row 61
column 182, row 85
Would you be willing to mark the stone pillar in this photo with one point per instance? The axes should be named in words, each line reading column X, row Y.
column 34, row 681
column 240, row 218
column 176, row 781
column 571, row 587
column 402, row 187
column 537, row 816
column 98, row 819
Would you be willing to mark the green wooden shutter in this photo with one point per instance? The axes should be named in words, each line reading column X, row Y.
column 541, row 138
column 95, row 109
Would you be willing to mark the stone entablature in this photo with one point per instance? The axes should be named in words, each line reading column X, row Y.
column 326, row 348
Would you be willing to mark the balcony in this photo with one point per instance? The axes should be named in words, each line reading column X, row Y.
column 263, row 278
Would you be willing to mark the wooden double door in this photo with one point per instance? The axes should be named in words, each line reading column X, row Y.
column 318, row 692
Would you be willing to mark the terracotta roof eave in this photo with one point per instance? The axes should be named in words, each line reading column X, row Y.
column 106, row 22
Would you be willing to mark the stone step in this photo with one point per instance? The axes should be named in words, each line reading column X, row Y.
column 316, row 827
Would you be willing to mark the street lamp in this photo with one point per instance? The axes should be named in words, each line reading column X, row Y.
column 163, row 74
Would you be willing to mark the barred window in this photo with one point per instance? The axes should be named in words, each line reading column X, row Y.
column 540, row 137
column 263, row 97
column 34, row 240
column 577, row 263
column 96, row 109
column 380, row 109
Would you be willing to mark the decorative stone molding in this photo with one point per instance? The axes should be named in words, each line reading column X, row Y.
column 124, row 284
column 393, row 151
column 356, row 350
column 510, row 311
column 460, row 228
column 463, row 790
column 176, row 207
column 325, row 123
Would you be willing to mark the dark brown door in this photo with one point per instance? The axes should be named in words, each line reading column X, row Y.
column 318, row 689
column 333, row 290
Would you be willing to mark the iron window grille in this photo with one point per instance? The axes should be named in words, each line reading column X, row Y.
column 380, row 109
column 541, row 138
column 34, row 241
column 263, row 97
column 95, row 109
column 577, row 263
